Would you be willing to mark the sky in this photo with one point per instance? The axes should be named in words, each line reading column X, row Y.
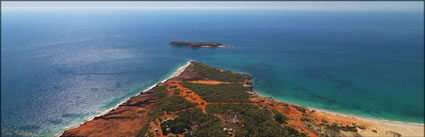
column 274, row 5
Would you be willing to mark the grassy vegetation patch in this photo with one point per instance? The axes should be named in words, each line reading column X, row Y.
column 172, row 104
column 143, row 130
column 279, row 117
column 160, row 92
column 256, row 122
column 194, row 123
column 176, row 92
column 299, row 108
column 219, row 92
column 333, row 127
column 346, row 128
column 175, row 103
column 168, row 104
column 215, row 74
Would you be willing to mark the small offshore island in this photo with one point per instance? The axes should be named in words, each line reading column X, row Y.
column 202, row 101
column 198, row 44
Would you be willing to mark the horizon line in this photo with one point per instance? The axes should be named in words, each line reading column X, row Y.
column 357, row 6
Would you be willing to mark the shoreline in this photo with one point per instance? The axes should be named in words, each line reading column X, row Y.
column 177, row 72
column 344, row 114
column 364, row 118
column 174, row 74
column 383, row 126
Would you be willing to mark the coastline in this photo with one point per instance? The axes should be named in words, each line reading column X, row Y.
column 404, row 128
column 364, row 118
column 175, row 73
column 344, row 114
column 383, row 127
column 182, row 68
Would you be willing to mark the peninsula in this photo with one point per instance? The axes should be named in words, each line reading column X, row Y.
column 198, row 44
column 203, row 101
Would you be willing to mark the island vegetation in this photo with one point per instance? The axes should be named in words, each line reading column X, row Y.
column 197, row 44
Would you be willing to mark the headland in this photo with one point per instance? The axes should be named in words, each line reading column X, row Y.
column 201, row 100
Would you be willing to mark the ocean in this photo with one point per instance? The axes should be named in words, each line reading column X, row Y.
column 61, row 68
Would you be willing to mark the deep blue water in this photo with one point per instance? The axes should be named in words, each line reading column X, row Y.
column 62, row 67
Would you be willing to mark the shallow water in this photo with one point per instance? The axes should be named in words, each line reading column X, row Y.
column 64, row 67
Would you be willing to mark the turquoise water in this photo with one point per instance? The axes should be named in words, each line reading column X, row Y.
column 61, row 68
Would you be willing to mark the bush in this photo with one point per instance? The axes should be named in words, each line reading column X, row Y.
column 279, row 117
column 175, row 103
column 169, row 104
column 172, row 104
column 349, row 128
column 346, row 128
column 215, row 74
column 289, row 131
column 143, row 130
column 159, row 91
column 299, row 108
column 256, row 122
column 176, row 92
column 219, row 92
column 333, row 127
column 196, row 122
